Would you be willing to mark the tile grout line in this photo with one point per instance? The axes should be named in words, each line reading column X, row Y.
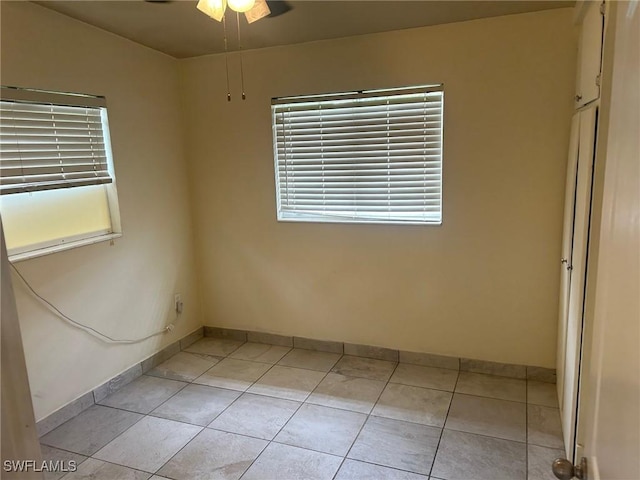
column 151, row 474
column 223, row 410
column 526, row 431
column 149, row 415
column 368, row 417
column 269, row 442
column 117, row 436
column 302, row 402
column 145, row 415
column 475, row 395
column 435, row 453
column 186, row 383
column 202, row 428
column 483, row 435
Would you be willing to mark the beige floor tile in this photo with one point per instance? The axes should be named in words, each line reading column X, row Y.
column 216, row 455
column 348, row 393
column 493, row 368
column 542, row 393
column 468, row 456
column 364, row 367
column 355, row 470
column 413, row 404
column 218, row 347
column 90, row 430
column 396, row 444
column 260, row 352
column 322, row 429
column 256, row 415
column 93, row 469
column 149, row 444
column 67, row 461
column 143, row 394
column 184, row 366
column 284, row 462
column 492, row 386
column 197, row 404
column 543, row 427
column 310, row 359
column 288, row 383
column 427, row 377
column 233, row 374
column 540, row 460
column 488, row 416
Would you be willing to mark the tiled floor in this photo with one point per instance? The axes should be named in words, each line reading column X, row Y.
column 227, row 410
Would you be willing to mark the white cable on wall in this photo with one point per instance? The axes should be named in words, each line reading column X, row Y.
column 90, row 330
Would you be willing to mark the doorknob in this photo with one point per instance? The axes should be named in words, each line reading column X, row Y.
column 563, row 260
column 565, row 470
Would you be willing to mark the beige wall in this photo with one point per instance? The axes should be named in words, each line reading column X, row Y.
column 484, row 284
column 125, row 290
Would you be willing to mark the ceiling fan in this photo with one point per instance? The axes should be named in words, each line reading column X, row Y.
column 254, row 10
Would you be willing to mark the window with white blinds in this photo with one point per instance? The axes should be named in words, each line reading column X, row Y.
column 361, row 157
column 52, row 145
column 57, row 184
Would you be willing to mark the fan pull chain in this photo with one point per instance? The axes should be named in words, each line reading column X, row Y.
column 240, row 52
column 226, row 55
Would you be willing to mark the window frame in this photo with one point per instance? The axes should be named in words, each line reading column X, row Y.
column 49, row 246
column 352, row 216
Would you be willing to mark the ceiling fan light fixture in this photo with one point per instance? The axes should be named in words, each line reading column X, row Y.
column 214, row 8
column 241, row 5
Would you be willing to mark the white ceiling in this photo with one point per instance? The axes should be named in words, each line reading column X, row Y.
column 180, row 30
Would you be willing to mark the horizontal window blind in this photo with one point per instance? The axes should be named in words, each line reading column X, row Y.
column 373, row 157
column 45, row 146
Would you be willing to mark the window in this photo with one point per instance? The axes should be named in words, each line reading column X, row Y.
column 365, row 157
column 57, row 188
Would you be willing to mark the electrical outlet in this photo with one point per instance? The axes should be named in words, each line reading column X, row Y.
column 177, row 303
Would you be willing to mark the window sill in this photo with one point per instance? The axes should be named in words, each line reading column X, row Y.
column 40, row 252
column 293, row 218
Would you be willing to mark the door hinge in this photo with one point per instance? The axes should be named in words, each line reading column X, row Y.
column 598, row 79
column 602, row 9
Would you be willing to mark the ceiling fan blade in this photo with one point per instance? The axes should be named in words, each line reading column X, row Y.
column 214, row 8
column 278, row 7
column 259, row 10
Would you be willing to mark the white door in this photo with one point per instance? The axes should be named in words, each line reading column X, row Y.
column 567, row 249
column 574, row 265
column 609, row 412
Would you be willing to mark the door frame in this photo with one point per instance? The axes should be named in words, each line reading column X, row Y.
column 591, row 376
